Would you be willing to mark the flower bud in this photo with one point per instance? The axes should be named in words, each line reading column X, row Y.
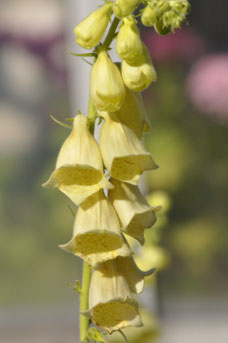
column 79, row 167
column 149, row 15
column 90, row 31
column 123, row 153
column 111, row 306
column 97, row 236
column 106, row 84
column 172, row 16
column 133, row 113
column 122, row 8
column 132, row 208
column 128, row 44
column 139, row 77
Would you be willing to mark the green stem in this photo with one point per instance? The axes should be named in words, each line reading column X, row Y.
column 111, row 32
column 124, row 336
column 84, row 301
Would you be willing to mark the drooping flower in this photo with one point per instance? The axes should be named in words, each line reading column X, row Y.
column 132, row 274
column 128, row 43
column 90, row 31
column 133, row 113
column 123, row 153
column 97, row 236
column 139, row 77
column 111, row 305
column 122, row 8
column 79, row 167
column 132, row 208
column 106, row 85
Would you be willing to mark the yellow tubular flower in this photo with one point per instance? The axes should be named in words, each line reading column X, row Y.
column 128, row 44
column 123, row 8
column 123, row 153
column 111, row 306
column 140, row 76
column 90, row 31
column 133, row 275
column 132, row 209
column 133, row 113
column 97, row 236
column 79, row 167
column 106, row 85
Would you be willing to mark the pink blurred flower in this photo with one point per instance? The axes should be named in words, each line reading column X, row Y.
column 207, row 85
column 182, row 45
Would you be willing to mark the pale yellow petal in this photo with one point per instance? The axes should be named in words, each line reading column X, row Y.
column 97, row 235
column 133, row 113
column 123, row 153
column 79, row 167
column 128, row 43
column 132, row 208
column 139, row 77
column 123, row 8
column 106, row 85
column 111, row 306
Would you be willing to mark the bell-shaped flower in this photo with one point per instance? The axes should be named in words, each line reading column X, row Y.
column 106, row 85
column 138, row 77
column 133, row 113
column 79, row 167
column 132, row 274
column 122, row 8
column 97, row 235
column 90, row 31
column 123, row 153
column 132, row 208
column 128, row 43
column 111, row 306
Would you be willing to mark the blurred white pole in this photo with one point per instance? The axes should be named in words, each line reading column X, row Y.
column 78, row 70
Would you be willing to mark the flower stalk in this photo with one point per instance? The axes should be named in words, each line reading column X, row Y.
column 85, row 168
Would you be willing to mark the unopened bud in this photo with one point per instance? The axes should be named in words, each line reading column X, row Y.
column 128, row 44
column 106, row 86
column 140, row 76
column 149, row 16
column 123, row 8
column 90, row 31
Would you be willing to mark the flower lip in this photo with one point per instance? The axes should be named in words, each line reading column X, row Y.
column 116, row 314
column 98, row 239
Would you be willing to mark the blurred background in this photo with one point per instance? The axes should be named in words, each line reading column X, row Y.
column 188, row 109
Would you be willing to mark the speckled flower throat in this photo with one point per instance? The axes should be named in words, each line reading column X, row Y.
column 84, row 168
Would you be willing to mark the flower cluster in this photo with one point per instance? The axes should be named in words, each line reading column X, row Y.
column 165, row 15
column 85, row 169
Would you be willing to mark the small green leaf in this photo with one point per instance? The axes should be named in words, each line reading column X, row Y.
column 60, row 123
column 77, row 288
column 89, row 54
column 69, row 119
column 96, row 335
